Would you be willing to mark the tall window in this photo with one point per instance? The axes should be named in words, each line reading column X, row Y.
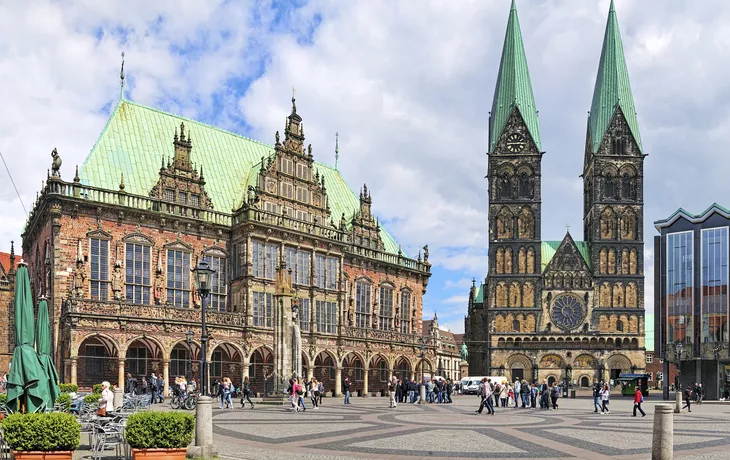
column 138, row 273
column 714, row 284
column 405, row 312
column 216, row 366
column 287, row 166
column 95, row 356
column 99, row 269
column 263, row 259
column 304, row 314
column 136, row 362
column 326, row 316
column 178, row 278
column 303, row 263
column 287, row 190
column 319, row 269
column 219, row 286
column 386, row 308
column 679, row 287
column 262, row 307
column 179, row 362
column 302, row 195
column 362, row 305
column 303, row 171
column 332, row 264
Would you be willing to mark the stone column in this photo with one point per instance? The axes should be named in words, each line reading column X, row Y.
column 203, row 430
column 74, row 371
column 678, row 400
column 365, row 382
column 338, row 381
column 310, row 371
column 245, row 368
column 118, row 399
column 662, row 444
column 120, row 375
column 166, row 377
column 413, row 374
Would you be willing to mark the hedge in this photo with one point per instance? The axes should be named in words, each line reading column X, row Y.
column 68, row 388
column 160, row 430
column 65, row 399
column 92, row 398
column 3, row 398
column 44, row 432
column 96, row 388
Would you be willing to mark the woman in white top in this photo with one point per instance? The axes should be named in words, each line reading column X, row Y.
column 504, row 393
column 107, row 398
column 605, row 394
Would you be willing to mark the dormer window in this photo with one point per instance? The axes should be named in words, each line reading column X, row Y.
column 287, row 166
column 302, row 195
column 303, row 171
column 287, row 190
column 182, row 197
column 195, row 200
column 169, row 194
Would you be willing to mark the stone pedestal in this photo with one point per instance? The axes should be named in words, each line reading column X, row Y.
column 678, row 402
column 422, row 399
column 118, row 398
column 203, row 430
column 464, row 369
column 662, row 444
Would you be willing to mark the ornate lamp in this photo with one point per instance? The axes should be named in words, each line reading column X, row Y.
column 203, row 280
column 189, row 337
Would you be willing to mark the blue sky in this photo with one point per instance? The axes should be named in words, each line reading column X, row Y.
column 408, row 86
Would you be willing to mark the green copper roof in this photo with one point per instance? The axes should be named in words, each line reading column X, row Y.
column 649, row 331
column 548, row 248
column 480, row 294
column 513, row 86
column 612, row 88
column 693, row 218
column 136, row 138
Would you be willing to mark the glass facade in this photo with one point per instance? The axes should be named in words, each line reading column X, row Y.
column 680, row 260
column 714, row 285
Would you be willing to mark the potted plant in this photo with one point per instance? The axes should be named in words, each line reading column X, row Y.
column 52, row 436
column 160, row 435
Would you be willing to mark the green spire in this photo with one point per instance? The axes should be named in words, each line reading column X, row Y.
column 612, row 87
column 513, row 86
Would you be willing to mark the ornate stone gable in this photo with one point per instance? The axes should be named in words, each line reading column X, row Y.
column 179, row 182
column 567, row 269
column 618, row 140
column 516, row 138
column 365, row 228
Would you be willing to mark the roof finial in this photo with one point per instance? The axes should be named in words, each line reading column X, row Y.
column 514, row 6
column 121, row 78
column 121, row 183
column 337, row 148
column 77, row 179
column 293, row 100
column 612, row 8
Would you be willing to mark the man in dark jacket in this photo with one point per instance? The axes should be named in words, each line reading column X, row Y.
column 596, row 395
column 439, row 391
column 130, row 386
column 524, row 393
column 449, row 390
column 346, row 389
column 688, row 399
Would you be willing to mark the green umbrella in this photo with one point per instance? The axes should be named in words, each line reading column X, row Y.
column 26, row 383
column 43, row 348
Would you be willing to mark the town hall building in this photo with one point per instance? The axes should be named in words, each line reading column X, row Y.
column 563, row 309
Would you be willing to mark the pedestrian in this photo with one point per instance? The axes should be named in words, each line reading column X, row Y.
column 320, row 387
column 246, row 393
column 399, row 391
column 596, row 395
column 516, row 391
column 412, row 391
column 638, row 399
column 688, row 399
column 392, row 391
column 130, row 386
column 524, row 393
column 504, row 395
column 554, row 395
column 533, row 396
column 449, row 390
column 605, row 395
column 346, row 389
column 313, row 390
column 544, row 395
column 160, row 389
column 299, row 394
column 486, row 394
column 145, row 385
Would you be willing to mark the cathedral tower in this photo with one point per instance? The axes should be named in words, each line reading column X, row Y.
column 514, row 172
column 613, row 186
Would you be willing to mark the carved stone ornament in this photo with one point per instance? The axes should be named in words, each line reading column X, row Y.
column 117, row 281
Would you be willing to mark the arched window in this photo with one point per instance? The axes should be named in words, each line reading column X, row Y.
column 628, row 191
column 609, row 186
column 516, row 326
column 504, row 188
column 525, row 185
column 619, row 326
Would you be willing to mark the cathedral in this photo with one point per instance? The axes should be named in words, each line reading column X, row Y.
column 562, row 310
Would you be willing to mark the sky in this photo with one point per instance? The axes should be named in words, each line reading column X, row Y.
column 407, row 84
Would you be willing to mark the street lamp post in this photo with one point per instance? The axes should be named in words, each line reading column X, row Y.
column 203, row 278
column 678, row 349
column 423, row 362
column 189, row 340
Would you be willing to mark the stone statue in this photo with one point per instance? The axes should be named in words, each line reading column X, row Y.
column 425, row 254
column 159, row 292
column 277, row 137
column 296, row 344
column 56, row 164
column 464, row 352
column 79, row 280
column 117, row 281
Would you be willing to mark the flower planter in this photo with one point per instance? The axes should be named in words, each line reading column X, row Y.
column 161, row 454
column 38, row 455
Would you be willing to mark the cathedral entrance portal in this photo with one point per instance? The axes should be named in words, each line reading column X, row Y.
column 518, row 373
column 551, row 380
column 584, row 382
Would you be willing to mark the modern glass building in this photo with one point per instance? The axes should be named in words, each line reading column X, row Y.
column 691, row 301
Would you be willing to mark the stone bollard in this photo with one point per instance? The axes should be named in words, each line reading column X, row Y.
column 203, row 430
column 678, row 402
column 118, row 400
column 662, row 444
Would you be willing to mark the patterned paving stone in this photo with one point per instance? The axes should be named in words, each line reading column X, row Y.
column 433, row 441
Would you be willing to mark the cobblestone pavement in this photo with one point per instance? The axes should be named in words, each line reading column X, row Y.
column 369, row 429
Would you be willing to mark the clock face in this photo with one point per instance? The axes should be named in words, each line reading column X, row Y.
column 516, row 142
column 568, row 312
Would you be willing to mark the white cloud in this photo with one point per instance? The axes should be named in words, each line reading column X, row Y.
column 463, row 283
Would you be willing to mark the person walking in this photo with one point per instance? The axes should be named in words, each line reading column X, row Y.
column 516, row 391
column 504, row 394
column 313, row 390
column 320, row 387
column 533, row 396
column 346, row 389
column 130, row 386
column 605, row 396
column 688, row 399
column 485, row 392
column 638, row 399
column 596, row 395
column 160, row 389
column 299, row 394
column 392, row 391
column 554, row 395
column 524, row 393
column 246, row 393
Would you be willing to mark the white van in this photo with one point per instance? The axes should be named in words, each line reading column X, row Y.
column 470, row 385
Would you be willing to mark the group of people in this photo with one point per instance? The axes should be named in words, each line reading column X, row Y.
column 155, row 386
column 530, row 395
column 314, row 389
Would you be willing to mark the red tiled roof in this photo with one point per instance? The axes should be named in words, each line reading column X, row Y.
column 5, row 260
column 458, row 338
